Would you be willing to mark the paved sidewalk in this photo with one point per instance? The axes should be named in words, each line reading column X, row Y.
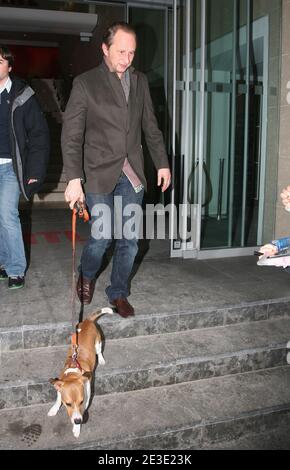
column 160, row 284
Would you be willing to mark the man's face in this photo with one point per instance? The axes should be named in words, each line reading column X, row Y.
column 120, row 54
column 4, row 69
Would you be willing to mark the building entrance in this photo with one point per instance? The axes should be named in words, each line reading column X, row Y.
column 219, row 127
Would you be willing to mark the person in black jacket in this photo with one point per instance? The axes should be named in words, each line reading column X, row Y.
column 24, row 153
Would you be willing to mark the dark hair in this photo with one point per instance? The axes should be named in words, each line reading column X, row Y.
column 7, row 55
column 109, row 34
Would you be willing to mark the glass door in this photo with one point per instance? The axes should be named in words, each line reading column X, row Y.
column 219, row 126
column 151, row 25
column 187, row 109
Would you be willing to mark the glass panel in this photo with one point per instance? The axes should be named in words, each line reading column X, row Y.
column 236, row 87
column 178, row 137
column 250, row 79
column 185, row 169
column 194, row 103
column 150, row 55
column 150, row 58
column 232, row 183
column 217, row 136
column 219, row 64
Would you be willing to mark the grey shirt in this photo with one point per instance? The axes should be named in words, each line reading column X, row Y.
column 125, row 81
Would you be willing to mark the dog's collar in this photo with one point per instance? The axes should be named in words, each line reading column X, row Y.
column 74, row 364
column 74, row 356
column 72, row 370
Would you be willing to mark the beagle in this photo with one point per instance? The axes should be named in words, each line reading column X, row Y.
column 73, row 385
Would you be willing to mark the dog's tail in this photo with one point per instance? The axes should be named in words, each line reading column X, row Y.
column 94, row 316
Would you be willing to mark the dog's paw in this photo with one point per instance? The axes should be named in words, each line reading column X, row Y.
column 101, row 360
column 53, row 411
column 76, row 430
column 108, row 310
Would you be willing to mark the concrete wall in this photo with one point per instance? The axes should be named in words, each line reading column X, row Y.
column 272, row 9
column 282, row 217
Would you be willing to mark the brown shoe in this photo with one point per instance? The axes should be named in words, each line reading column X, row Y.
column 123, row 307
column 85, row 289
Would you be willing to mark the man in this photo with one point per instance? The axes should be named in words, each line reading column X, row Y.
column 24, row 153
column 101, row 142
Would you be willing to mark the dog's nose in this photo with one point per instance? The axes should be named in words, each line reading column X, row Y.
column 78, row 421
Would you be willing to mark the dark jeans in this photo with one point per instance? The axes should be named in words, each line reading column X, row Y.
column 111, row 216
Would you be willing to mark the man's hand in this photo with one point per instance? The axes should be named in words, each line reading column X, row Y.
column 285, row 196
column 268, row 250
column 74, row 192
column 32, row 181
column 164, row 177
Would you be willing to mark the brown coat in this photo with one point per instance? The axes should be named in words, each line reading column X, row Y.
column 100, row 129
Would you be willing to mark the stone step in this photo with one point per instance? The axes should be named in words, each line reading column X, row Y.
column 193, row 415
column 151, row 361
column 155, row 321
column 271, row 439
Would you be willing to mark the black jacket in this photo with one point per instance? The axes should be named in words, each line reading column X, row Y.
column 29, row 137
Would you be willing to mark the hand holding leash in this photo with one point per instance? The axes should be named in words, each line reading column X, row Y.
column 80, row 210
column 74, row 192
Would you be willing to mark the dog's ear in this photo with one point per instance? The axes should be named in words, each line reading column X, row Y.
column 87, row 375
column 56, row 383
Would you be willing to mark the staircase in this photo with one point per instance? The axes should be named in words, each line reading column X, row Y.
column 197, row 379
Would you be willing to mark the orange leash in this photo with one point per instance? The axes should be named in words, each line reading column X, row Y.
column 80, row 210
